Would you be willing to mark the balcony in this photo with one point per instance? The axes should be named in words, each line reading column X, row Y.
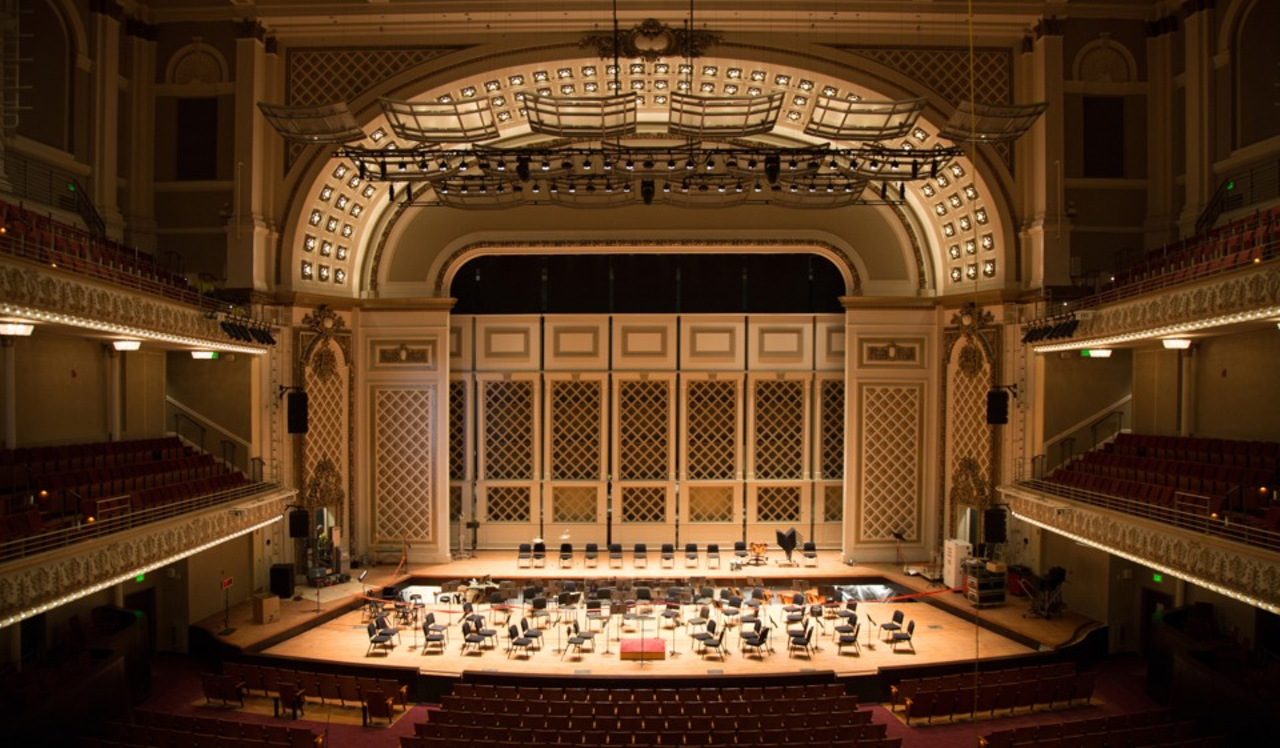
column 1238, row 560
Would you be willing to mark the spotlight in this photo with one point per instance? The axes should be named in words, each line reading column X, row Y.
column 647, row 191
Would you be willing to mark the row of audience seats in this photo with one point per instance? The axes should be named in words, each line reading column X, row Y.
column 763, row 716
column 40, row 237
column 72, row 487
column 1207, row 485
column 1257, row 455
column 908, row 687
column 170, row 730
column 1236, row 244
column 991, row 691
column 1071, row 728
column 326, row 687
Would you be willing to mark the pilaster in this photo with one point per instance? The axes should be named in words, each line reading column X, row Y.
column 105, row 113
column 139, row 204
column 1197, row 35
column 1162, row 210
column 250, row 234
column 1048, row 233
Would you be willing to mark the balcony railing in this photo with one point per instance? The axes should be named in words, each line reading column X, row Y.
column 1228, row 526
column 114, row 515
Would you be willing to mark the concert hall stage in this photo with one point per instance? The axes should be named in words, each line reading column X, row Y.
column 329, row 624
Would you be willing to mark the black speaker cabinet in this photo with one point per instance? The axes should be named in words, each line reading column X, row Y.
column 993, row 526
column 997, row 407
column 297, row 412
column 282, row 581
column 299, row 523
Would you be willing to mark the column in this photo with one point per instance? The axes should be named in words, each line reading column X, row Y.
column 1162, row 212
column 249, row 234
column 105, row 113
column 8, row 359
column 1197, row 35
column 139, row 198
column 114, row 363
column 1186, row 392
column 1041, row 157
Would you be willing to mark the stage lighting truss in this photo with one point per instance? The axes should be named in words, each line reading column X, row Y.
column 603, row 175
column 987, row 123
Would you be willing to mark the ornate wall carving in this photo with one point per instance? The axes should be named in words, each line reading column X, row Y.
column 46, row 578
column 325, row 371
column 969, row 461
column 58, row 294
column 1238, row 293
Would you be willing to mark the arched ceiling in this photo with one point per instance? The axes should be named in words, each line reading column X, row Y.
column 348, row 237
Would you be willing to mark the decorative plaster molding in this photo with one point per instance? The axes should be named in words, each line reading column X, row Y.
column 1238, row 570
column 1232, row 294
column 68, row 573
column 59, row 294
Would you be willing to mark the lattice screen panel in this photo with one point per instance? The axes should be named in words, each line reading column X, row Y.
column 647, row 504
column 508, row 430
column 458, row 415
column 575, row 430
column 644, row 439
column 573, row 504
column 324, row 446
column 402, row 466
column 507, row 504
column 969, row 466
column 891, row 442
column 779, row 429
column 709, row 503
column 712, row 430
column 832, row 445
column 833, row 503
column 778, row 504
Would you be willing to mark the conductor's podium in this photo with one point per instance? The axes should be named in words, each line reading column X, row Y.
column 649, row 648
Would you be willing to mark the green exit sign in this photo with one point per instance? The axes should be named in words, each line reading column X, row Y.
column 1157, row 578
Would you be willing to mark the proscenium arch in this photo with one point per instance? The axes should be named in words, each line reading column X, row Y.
column 958, row 221
column 459, row 258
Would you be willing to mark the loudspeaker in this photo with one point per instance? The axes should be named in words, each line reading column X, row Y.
column 997, row 406
column 297, row 412
column 282, row 581
column 993, row 526
column 299, row 523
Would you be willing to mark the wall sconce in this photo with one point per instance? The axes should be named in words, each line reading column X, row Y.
column 204, row 355
column 1096, row 353
column 1176, row 344
column 126, row 345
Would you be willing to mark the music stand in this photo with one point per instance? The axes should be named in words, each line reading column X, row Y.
column 873, row 625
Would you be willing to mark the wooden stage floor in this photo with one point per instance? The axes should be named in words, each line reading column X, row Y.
column 319, row 624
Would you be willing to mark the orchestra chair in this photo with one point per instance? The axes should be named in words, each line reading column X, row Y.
column 691, row 555
column 904, row 636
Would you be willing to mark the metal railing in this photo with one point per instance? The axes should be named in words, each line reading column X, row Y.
column 1169, row 279
column 1240, row 190
column 115, row 516
column 1228, row 526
